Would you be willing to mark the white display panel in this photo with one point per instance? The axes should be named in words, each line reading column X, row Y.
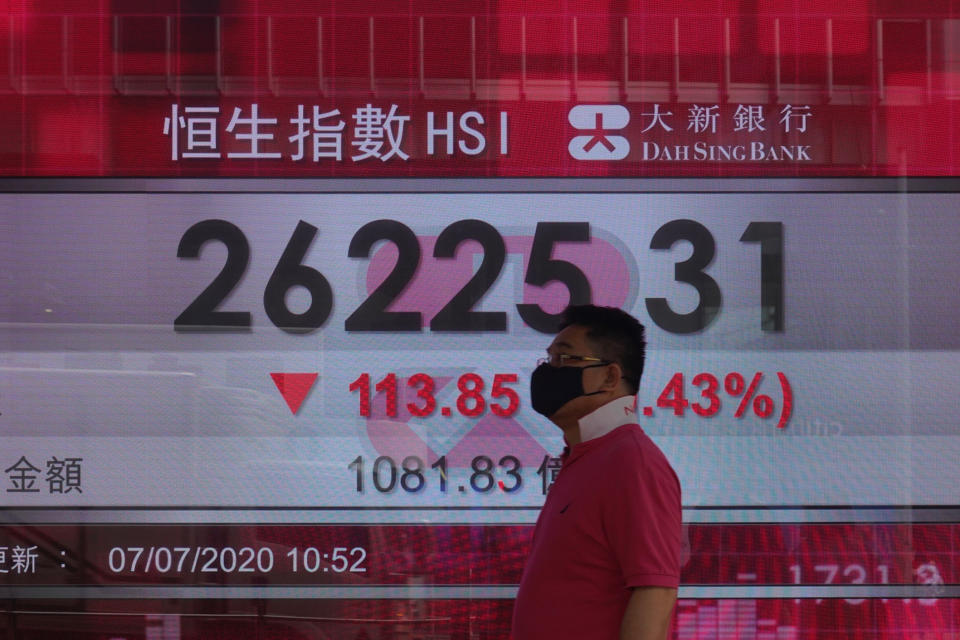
column 855, row 344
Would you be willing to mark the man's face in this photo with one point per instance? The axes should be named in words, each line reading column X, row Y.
column 572, row 348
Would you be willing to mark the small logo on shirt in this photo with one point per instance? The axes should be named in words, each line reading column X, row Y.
column 566, row 507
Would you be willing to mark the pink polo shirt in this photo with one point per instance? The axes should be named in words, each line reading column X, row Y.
column 611, row 521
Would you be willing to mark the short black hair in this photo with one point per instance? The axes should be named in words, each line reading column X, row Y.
column 618, row 337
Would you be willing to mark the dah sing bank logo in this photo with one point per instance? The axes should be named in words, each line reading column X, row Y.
column 598, row 121
column 600, row 128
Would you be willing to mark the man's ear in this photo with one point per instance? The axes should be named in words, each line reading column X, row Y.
column 614, row 373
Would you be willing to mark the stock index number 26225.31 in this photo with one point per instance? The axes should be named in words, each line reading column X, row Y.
column 458, row 314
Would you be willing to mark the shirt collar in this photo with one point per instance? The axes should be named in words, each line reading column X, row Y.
column 602, row 421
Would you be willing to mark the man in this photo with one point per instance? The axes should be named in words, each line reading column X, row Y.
column 605, row 560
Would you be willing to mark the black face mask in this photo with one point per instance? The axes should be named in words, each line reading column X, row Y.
column 553, row 387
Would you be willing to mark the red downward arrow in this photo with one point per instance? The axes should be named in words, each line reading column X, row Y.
column 294, row 387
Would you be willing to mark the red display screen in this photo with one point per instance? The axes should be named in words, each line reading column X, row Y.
column 319, row 89
column 346, row 580
column 720, row 554
column 274, row 277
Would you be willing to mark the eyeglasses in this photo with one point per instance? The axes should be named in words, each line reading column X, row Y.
column 566, row 360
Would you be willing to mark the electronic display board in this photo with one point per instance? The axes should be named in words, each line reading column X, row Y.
column 275, row 278
column 334, row 402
